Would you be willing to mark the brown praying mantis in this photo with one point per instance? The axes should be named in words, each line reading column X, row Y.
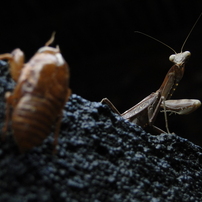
column 145, row 112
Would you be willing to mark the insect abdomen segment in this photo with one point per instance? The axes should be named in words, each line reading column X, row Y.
column 32, row 120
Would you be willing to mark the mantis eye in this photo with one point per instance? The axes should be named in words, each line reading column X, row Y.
column 172, row 58
column 187, row 54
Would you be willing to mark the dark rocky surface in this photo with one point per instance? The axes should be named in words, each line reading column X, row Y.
column 100, row 157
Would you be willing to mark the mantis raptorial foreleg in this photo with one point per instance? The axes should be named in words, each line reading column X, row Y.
column 181, row 107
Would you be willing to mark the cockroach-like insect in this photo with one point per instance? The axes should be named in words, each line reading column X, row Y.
column 145, row 112
column 42, row 88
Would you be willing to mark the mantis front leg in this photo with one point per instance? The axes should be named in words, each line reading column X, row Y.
column 181, row 106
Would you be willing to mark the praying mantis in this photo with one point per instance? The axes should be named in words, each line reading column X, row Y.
column 145, row 112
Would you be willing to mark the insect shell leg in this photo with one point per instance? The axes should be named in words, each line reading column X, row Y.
column 16, row 61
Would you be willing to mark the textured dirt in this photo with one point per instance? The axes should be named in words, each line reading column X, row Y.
column 100, row 157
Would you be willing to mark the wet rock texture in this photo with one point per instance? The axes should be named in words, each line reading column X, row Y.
column 100, row 157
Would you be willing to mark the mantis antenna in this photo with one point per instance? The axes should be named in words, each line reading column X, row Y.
column 156, row 40
column 168, row 45
column 190, row 32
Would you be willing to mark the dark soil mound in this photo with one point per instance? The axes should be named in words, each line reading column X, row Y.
column 100, row 157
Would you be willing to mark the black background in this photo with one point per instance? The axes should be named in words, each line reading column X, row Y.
column 106, row 58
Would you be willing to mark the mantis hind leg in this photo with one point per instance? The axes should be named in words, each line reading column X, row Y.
column 153, row 111
column 109, row 103
column 165, row 114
